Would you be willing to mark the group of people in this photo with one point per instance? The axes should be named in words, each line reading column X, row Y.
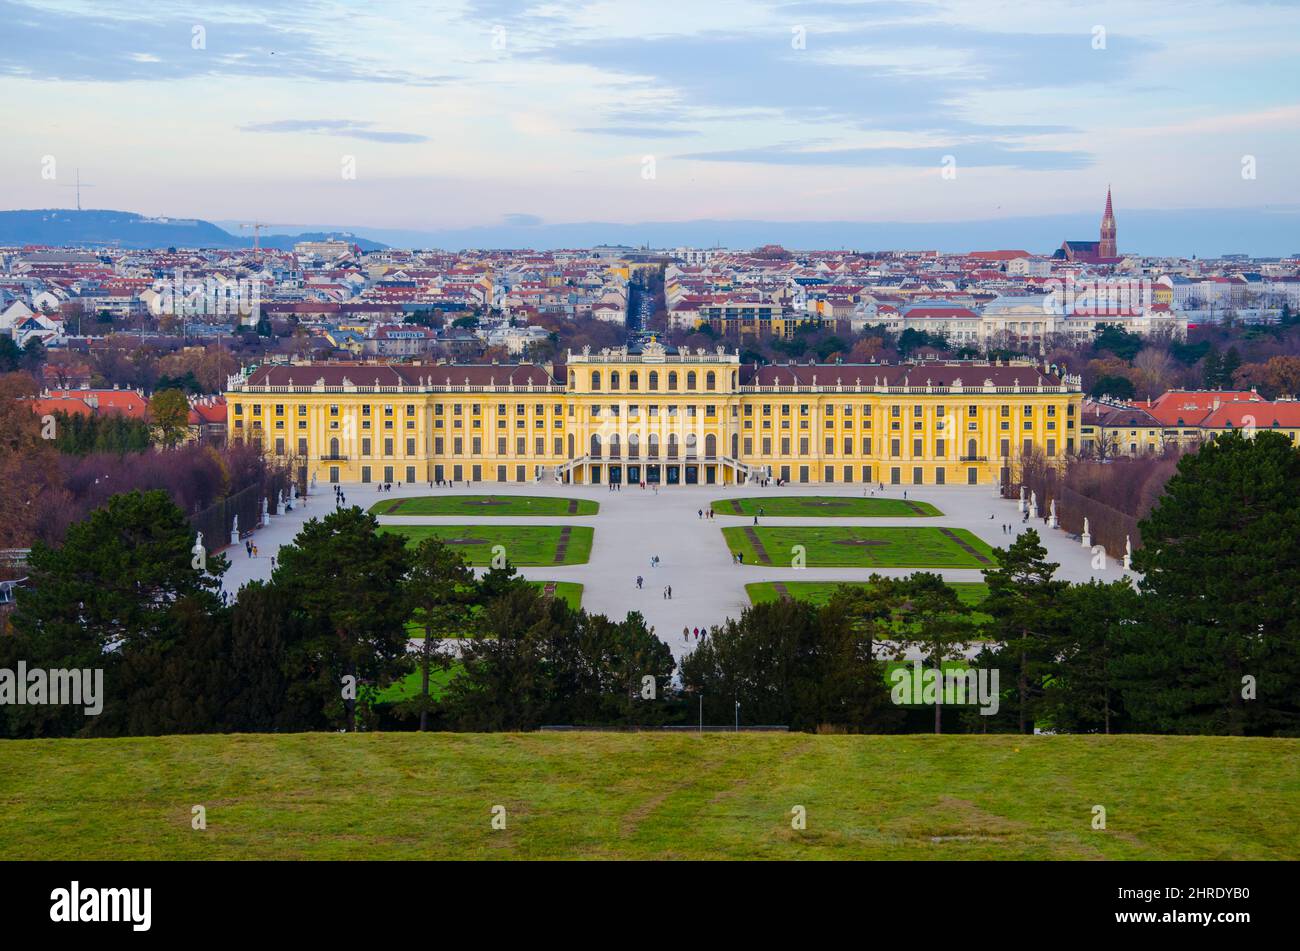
column 709, row 515
column 340, row 498
column 388, row 486
column 688, row 631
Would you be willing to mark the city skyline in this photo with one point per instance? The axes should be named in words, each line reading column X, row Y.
column 510, row 118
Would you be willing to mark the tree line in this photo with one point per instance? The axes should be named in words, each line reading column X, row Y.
column 1205, row 642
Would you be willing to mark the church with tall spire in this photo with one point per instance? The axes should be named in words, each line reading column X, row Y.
column 1103, row 251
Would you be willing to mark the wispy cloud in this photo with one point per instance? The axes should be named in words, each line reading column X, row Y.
column 974, row 154
column 42, row 41
column 639, row 131
column 345, row 128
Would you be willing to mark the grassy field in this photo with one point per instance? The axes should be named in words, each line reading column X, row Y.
column 650, row 796
column 827, row 506
column 819, row 592
column 568, row 591
column 477, row 506
column 409, row 686
column 861, row 547
column 524, row 544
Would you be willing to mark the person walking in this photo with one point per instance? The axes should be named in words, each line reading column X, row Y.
column 670, row 592
column 248, row 547
column 638, row 581
column 686, row 634
column 697, row 633
column 755, row 519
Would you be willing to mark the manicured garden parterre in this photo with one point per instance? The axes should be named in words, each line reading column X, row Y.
column 478, row 506
column 825, row 506
column 819, row 592
column 524, row 544
column 860, row 546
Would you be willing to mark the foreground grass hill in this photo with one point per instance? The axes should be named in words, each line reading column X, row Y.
column 650, row 796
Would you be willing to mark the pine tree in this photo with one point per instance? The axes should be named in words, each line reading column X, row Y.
column 347, row 579
column 441, row 592
column 1024, row 604
column 933, row 621
column 1231, row 364
column 1082, row 693
column 1212, row 369
column 123, row 584
column 1220, row 564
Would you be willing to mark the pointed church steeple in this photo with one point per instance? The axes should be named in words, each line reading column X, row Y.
column 1106, row 247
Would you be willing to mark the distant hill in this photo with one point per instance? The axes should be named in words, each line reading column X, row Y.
column 68, row 228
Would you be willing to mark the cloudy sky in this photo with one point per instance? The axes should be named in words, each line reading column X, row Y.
column 453, row 115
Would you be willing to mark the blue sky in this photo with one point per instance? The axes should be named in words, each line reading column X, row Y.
column 466, row 115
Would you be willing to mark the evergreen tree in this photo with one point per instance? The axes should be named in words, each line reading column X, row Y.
column 1082, row 694
column 122, row 586
column 1219, row 646
column 347, row 579
column 440, row 589
column 1023, row 603
column 789, row 662
column 1212, row 369
column 934, row 622
column 1231, row 364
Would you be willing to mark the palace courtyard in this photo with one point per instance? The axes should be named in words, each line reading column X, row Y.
column 607, row 550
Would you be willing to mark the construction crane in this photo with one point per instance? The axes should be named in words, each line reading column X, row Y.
column 257, row 227
column 78, row 186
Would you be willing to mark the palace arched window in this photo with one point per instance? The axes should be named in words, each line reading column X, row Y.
column 654, row 380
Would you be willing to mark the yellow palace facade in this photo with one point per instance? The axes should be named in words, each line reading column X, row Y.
column 657, row 416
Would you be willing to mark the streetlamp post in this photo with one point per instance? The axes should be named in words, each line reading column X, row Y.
column 737, row 716
column 701, row 713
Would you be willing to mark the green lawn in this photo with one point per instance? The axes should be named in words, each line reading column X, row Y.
column 866, row 547
column 409, row 686
column 827, row 506
column 477, row 506
column 568, row 591
column 650, row 796
column 819, row 592
column 523, row 544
